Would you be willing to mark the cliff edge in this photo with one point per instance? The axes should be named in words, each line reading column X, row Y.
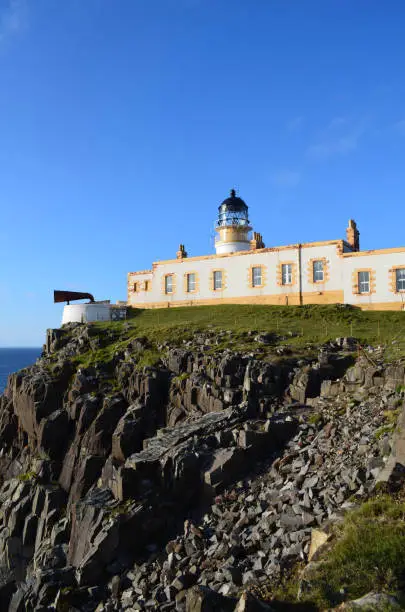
column 139, row 474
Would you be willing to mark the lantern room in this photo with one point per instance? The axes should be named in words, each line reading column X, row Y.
column 233, row 226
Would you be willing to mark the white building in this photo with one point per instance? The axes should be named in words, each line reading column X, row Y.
column 243, row 271
column 93, row 312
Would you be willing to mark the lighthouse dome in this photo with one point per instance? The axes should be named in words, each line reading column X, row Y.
column 233, row 211
column 233, row 203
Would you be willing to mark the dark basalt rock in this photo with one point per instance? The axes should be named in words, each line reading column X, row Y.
column 203, row 599
column 173, row 487
column 53, row 434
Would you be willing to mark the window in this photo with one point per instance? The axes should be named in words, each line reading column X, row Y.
column 135, row 287
column 146, row 286
column 169, row 283
column 191, row 282
column 286, row 274
column 217, row 280
column 363, row 282
column 317, row 271
column 400, row 279
column 257, row 276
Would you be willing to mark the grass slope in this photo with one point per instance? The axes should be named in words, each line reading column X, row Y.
column 368, row 555
column 297, row 327
column 311, row 320
column 308, row 324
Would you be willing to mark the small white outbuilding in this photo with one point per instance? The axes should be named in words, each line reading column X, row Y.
column 93, row 312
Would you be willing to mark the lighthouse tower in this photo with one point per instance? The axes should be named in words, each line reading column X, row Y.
column 232, row 226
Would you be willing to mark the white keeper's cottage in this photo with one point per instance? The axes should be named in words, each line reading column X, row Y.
column 244, row 271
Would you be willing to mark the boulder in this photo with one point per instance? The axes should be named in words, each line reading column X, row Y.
column 53, row 433
column 249, row 603
column 318, row 539
column 374, row 601
column 86, row 475
column 7, row 587
column 35, row 397
column 138, row 423
column 226, row 467
column 177, row 360
column 98, row 438
column 203, row 599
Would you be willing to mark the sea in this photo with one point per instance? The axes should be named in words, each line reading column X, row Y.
column 13, row 359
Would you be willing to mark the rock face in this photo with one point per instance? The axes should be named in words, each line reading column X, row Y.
column 174, row 487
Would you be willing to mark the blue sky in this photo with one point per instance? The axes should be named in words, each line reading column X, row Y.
column 124, row 123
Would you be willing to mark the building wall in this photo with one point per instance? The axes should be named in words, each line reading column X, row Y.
column 86, row 313
column 136, row 291
column 237, row 271
column 381, row 265
column 339, row 286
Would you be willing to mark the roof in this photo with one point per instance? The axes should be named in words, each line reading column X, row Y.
column 233, row 204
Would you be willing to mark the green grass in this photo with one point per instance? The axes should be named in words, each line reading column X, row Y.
column 147, row 358
column 120, row 509
column 384, row 429
column 181, row 377
column 391, row 416
column 315, row 418
column 368, row 555
column 307, row 323
column 103, row 355
column 297, row 325
column 27, row 476
column 391, row 419
column 297, row 329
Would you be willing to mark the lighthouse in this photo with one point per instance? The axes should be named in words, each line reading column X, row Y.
column 232, row 226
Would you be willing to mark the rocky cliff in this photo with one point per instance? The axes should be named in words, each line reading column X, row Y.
column 190, row 484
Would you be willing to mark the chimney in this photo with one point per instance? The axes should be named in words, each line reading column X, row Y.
column 181, row 253
column 257, row 242
column 353, row 235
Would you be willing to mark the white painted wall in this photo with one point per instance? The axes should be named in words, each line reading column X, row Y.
column 86, row 313
column 237, row 266
column 334, row 263
column 232, row 247
column 141, row 296
column 237, row 269
column 381, row 263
